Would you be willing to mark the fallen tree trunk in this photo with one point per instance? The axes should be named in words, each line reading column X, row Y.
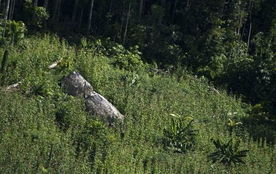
column 13, row 87
column 74, row 84
column 55, row 64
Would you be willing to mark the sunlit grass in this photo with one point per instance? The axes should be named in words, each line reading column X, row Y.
column 32, row 140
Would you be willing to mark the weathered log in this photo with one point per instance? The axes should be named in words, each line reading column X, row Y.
column 55, row 64
column 13, row 87
column 96, row 104
column 74, row 84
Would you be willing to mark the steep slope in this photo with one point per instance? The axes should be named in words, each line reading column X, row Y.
column 43, row 130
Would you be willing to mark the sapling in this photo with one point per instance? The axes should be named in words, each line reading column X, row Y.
column 4, row 61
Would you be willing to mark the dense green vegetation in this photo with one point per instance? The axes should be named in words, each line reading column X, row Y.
column 230, row 42
column 196, row 81
column 170, row 118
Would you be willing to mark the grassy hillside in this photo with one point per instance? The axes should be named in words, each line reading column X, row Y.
column 44, row 130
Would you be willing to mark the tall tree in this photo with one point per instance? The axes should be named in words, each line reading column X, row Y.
column 56, row 14
column 75, row 10
column 250, row 23
column 174, row 10
column 141, row 9
column 80, row 18
column 90, row 16
column 127, row 23
column 110, row 6
column 11, row 11
column 7, row 9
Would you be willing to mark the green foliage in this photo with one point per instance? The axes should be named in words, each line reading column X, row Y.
column 233, row 125
column 35, row 17
column 40, row 16
column 260, row 123
column 121, row 57
column 227, row 153
column 232, row 44
column 258, row 113
column 93, row 143
column 265, row 72
column 180, row 136
column 11, row 31
column 128, row 59
column 44, row 130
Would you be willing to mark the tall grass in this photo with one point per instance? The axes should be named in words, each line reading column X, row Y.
column 44, row 130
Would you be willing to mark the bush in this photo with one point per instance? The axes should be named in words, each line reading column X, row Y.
column 35, row 17
column 11, row 31
column 180, row 136
column 126, row 59
column 227, row 153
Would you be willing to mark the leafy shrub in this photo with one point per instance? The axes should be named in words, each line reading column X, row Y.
column 35, row 16
column 180, row 136
column 121, row 57
column 227, row 153
column 128, row 59
column 11, row 31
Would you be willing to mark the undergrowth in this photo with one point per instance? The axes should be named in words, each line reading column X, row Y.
column 43, row 130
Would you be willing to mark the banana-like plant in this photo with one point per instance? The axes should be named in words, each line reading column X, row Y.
column 180, row 135
column 227, row 153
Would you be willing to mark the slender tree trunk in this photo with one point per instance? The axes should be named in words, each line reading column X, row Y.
column 188, row 5
column 12, row 9
column 35, row 3
column 90, row 16
column 80, row 19
column 174, row 10
column 59, row 9
column 250, row 25
column 6, row 16
column 110, row 6
column 242, row 33
column 56, row 11
column 127, row 22
column 240, row 20
column 249, row 34
column 75, row 11
column 163, row 4
column 141, row 9
column 45, row 5
column 119, row 34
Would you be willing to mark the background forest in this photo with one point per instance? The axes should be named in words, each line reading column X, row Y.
column 140, row 53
